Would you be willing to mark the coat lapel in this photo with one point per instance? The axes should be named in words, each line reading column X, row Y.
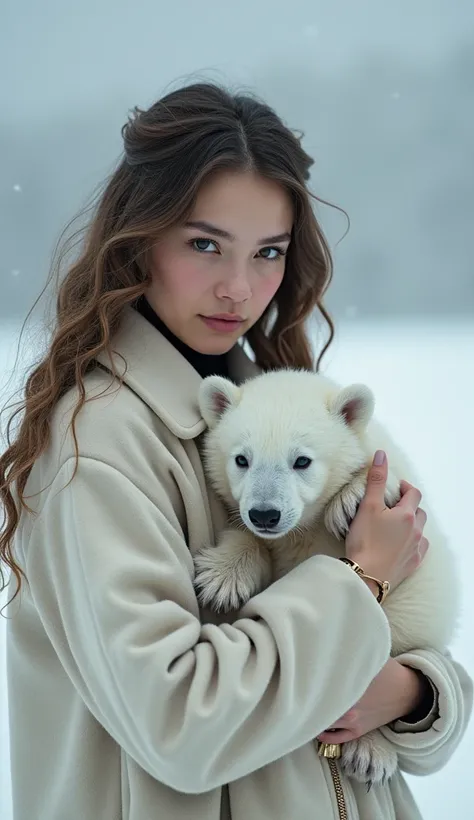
column 164, row 380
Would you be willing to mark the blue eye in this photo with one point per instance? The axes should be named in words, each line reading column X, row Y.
column 302, row 463
column 277, row 251
column 241, row 461
column 202, row 245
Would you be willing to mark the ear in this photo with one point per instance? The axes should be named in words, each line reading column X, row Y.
column 355, row 404
column 216, row 395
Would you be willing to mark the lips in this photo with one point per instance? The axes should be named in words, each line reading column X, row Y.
column 223, row 322
column 226, row 317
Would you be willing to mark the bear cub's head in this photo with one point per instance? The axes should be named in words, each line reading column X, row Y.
column 281, row 445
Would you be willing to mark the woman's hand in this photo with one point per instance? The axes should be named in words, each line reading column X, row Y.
column 387, row 543
column 393, row 694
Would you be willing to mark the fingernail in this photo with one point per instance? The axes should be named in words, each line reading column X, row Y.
column 379, row 458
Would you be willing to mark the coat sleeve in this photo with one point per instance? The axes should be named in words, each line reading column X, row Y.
column 196, row 705
column 426, row 746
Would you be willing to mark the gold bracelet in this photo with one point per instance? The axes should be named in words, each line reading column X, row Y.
column 383, row 586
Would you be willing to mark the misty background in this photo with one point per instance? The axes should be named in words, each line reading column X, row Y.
column 384, row 94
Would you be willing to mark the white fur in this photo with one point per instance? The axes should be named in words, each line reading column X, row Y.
column 272, row 420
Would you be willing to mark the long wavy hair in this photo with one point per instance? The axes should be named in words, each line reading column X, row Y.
column 169, row 150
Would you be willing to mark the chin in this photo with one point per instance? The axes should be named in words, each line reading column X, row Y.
column 216, row 345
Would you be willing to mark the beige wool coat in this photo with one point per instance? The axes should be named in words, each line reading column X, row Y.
column 126, row 702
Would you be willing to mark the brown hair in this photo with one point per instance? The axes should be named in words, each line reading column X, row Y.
column 169, row 150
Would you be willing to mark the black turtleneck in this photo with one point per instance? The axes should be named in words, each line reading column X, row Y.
column 205, row 364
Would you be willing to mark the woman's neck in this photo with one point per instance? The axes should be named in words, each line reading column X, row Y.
column 205, row 364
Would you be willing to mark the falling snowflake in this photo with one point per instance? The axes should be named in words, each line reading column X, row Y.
column 17, row 188
column 15, row 272
column 311, row 31
column 395, row 95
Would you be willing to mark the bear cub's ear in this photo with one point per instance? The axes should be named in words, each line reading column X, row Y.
column 355, row 404
column 216, row 395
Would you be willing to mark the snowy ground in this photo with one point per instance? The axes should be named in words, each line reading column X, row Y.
column 423, row 377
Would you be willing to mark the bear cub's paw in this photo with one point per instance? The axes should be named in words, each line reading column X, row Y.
column 370, row 759
column 228, row 575
column 341, row 510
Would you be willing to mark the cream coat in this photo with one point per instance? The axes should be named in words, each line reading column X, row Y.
column 126, row 702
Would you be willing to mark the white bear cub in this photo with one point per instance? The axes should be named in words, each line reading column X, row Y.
column 288, row 453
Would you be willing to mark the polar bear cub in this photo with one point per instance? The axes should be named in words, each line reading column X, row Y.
column 288, row 453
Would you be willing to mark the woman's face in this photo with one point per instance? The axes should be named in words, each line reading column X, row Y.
column 213, row 277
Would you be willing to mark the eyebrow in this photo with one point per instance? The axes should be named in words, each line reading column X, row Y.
column 213, row 229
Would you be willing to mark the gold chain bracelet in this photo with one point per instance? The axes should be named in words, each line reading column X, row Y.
column 383, row 586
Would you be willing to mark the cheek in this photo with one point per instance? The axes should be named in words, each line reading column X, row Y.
column 238, row 480
column 312, row 487
column 293, row 491
column 266, row 287
column 179, row 275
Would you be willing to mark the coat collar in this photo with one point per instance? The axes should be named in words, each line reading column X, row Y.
column 161, row 376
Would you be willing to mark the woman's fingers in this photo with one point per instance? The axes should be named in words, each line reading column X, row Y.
column 339, row 736
column 420, row 518
column 376, row 481
column 423, row 547
column 411, row 497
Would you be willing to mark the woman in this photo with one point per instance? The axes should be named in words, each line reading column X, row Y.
column 125, row 700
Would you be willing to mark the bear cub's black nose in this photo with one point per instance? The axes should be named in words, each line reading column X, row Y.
column 265, row 519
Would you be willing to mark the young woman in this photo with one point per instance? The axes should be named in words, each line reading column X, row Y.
column 125, row 700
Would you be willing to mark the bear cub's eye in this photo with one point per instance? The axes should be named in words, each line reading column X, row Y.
column 302, row 463
column 241, row 461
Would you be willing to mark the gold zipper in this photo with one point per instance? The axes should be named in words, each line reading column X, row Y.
column 332, row 751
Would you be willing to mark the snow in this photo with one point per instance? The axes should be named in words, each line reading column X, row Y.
column 422, row 375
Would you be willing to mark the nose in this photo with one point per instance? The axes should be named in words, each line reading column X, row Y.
column 265, row 519
column 236, row 286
